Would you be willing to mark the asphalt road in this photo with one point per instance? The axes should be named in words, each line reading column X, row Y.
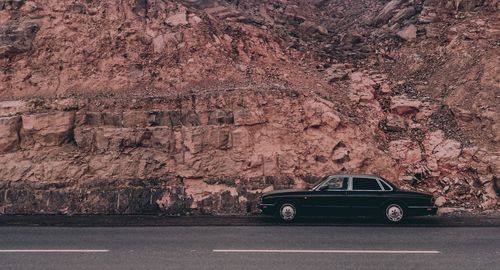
column 249, row 247
column 256, row 220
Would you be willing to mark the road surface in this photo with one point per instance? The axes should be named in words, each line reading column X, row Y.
column 249, row 247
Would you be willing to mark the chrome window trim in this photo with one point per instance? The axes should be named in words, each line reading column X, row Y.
column 380, row 184
column 350, row 183
column 383, row 187
column 330, row 178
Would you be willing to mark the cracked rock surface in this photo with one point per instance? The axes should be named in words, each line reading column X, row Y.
column 177, row 107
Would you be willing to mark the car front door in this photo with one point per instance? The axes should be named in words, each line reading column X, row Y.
column 331, row 197
column 366, row 196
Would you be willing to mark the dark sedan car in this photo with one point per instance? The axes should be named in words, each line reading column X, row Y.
column 358, row 195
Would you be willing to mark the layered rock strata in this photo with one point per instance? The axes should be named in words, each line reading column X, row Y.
column 213, row 153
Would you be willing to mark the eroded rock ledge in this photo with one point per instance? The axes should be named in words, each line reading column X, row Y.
column 213, row 153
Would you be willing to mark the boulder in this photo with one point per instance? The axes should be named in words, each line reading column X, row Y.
column 393, row 123
column 135, row 119
column 159, row 43
column 9, row 133
column 441, row 149
column 177, row 19
column 340, row 154
column 447, row 150
column 408, row 33
column 496, row 184
column 221, row 117
column 404, row 14
column 337, row 73
column 440, row 201
column 331, row 119
column 318, row 114
column 489, row 204
column 48, row 128
column 387, row 12
column 402, row 105
column 8, row 108
column 16, row 37
column 249, row 117
column 405, row 151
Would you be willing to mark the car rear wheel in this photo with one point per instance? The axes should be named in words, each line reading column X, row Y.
column 394, row 213
column 287, row 212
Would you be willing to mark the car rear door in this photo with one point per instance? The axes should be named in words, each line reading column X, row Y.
column 365, row 196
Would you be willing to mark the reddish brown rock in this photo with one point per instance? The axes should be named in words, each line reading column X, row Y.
column 249, row 117
column 409, row 33
column 48, row 128
column 8, row 108
column 442, row 149
column 9, row 133
column 403, row 105
column 440, row 201
column 394, row 123
column 200, row 106
column 318, row 114
column 407, row 152
column 16, row 38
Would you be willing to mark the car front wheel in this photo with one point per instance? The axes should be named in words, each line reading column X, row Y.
column 287, row 212
column 394, row 213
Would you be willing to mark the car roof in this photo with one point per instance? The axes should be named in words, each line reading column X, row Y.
column 355, row 175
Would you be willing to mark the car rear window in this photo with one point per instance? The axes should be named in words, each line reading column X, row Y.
column 365, row 184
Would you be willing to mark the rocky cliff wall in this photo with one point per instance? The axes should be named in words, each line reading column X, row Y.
column 200, row 106
column 217, row 152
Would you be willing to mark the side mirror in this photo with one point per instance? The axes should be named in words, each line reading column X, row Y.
column 323, row 188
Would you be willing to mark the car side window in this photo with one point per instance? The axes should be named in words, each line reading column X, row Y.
column 359, row 183
column 337, row 183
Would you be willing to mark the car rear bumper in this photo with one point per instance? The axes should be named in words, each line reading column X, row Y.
column 267, row 209
column 422, row 210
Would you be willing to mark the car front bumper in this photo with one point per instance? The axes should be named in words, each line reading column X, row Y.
column 267, row 209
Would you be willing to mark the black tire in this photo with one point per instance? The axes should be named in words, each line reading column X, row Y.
column 394, row 212
column 287, row 212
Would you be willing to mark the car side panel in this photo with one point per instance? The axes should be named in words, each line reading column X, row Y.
column 366, row 202
column 326, row 203
column 321, row 203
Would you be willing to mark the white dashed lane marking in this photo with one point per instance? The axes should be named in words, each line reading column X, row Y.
column 325, row 251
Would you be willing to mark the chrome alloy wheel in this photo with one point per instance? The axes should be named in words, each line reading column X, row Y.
column 394, row 213
column 288, row 212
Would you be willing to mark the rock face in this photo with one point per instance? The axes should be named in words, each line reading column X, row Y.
column 174, row 155
column 16, row 38
column 201, row 106
column 191, row 153
column 9, row 133
column 48, row 128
